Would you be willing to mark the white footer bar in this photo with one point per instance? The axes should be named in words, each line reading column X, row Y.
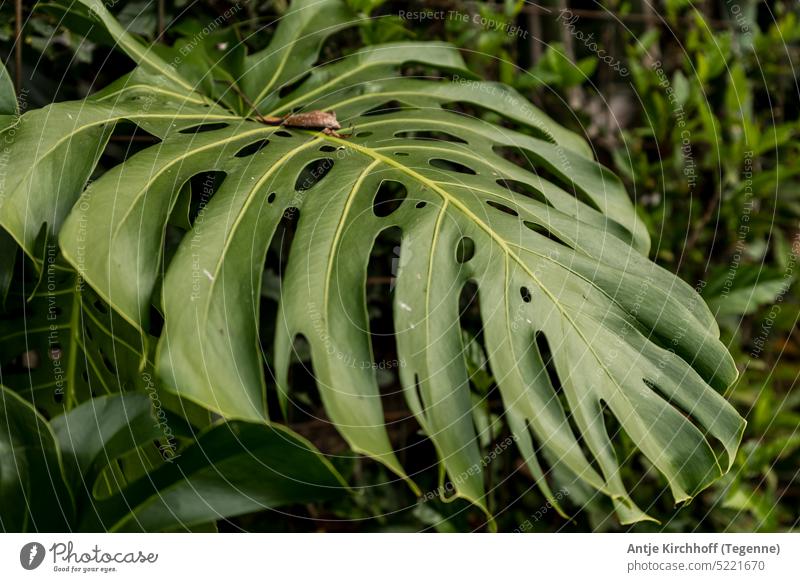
column 401, row 557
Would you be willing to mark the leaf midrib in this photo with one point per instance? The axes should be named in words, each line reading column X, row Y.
column 243, row 210
column 506, row 247
column 150, row 89
column 180, row 158
column 141, row 192
column 337, row 235
column 447, row 197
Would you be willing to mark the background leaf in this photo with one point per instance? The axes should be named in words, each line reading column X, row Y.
column 33, row 496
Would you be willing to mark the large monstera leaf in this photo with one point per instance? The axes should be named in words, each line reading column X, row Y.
column 577, row 322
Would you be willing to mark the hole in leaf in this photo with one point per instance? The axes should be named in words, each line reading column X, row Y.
column 282, row 133
column 526, row 294
column 421, row 204
column 292, row 85
column 502, row 208
column 327, row 148
column 401, row 154
column 335, row 46
column 472, row 340
column 204, row 127
column 108, row 364
column 539, row 229
column 383, row 269
column 126, row 140
column 631, row 464
column 716, row 445
column 274, row 266
column 547, row 358
column 543, row 347
column 546, row 171
column 251, row 149
column 465, row 249
column 479, row 112
column 429, row 72
column 203, row 187
column 364, row 134
column 281, row 242
column 388, row 198
column 615, row 430
column 271, row 198
column 306, row 411
column 544, row 465
column 418, row 391
column 156, row 322
column 469, row 308
column 301, row 352
column 312, row 173
column 525, row 190
column 451, row 166
column 386, row 108
column 430, row 136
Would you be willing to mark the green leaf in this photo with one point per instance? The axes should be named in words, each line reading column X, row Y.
column 95, row 12
column 681, row 87
column 738, row 94
column 60, row 344
column 365, row 6
column 57, row 155
column 233, row 469
column 744, row 291
column 569, row 73
column 294, row 48
column 8, row 256
column 33, row 496
column 9, row 108
column 8, row 97
column 100, row 431
column 576, row 319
